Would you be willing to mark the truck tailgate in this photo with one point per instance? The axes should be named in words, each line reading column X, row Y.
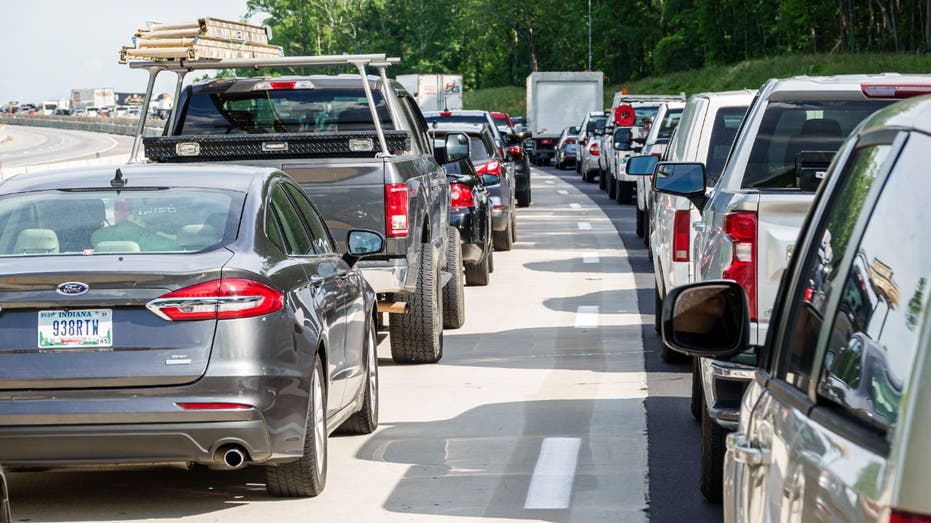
column 780, row 218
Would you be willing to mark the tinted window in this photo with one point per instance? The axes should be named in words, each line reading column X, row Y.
column 295, row 233
column 788, row 128
column 876, row 330
column 281, row 111
column 459, row 118
column 645, row 115
column 670, row 121
column 172, row 220
column 319, row 235
column 478, row 149
column 412, row 120
column 723, row 131
column 820, row 267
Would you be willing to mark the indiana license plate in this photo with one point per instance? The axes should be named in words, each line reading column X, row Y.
column 76, row 328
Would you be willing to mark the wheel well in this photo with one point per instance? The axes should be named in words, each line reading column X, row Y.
column 321, row 351
column 425, row 232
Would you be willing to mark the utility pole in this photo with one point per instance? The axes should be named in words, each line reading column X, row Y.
column 589, row 35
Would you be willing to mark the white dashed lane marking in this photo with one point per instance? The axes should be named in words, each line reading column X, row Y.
column 585, row 226
column 586, row 316
column 554, row 474
column 562, row 191
column 590, row 257
column 575, row 205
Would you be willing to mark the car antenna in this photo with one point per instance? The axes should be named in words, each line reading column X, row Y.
column 118, row 180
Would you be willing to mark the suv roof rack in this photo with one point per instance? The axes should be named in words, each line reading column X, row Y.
column 181, row 67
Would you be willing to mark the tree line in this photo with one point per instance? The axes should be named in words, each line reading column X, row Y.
column 499, row 42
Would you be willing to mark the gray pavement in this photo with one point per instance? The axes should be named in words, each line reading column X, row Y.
column 31, row 146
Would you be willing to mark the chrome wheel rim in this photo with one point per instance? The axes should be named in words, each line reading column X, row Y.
column 319, row 425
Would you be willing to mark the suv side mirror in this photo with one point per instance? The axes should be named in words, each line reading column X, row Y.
column 641, row 165
column 362, row 243
column 455, row 149
column 681, row 179
column 707, row 319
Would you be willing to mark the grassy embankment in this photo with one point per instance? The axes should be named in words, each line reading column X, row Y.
column 749, row 74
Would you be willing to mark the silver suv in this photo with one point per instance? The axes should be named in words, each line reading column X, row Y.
column 834, row 426
column 751, row 220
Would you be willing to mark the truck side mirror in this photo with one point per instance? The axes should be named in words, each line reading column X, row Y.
column 707, row 319
column 681, row 179
column 641, row 165
column 456, row 148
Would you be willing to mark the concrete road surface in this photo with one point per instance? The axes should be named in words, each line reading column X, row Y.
column 537, row 411
column 42, row 145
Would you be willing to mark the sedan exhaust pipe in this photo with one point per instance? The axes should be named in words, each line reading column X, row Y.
column 229, row 457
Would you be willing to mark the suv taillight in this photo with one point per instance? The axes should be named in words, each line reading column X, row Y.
column 593, row 150
column 396, row 210
column 224, row 299
column 741, row 227
column 570, row 140
column 680, row 237
column 460, row 195
column 493, row 167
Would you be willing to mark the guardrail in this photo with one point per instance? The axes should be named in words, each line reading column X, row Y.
column 123, row 126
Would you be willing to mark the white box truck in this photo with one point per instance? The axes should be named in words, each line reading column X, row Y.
column 556, row 100
column 434, row 92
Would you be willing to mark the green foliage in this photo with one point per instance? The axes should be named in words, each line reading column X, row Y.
column 675, row 53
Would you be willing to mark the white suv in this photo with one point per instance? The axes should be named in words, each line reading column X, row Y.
column 666, row 121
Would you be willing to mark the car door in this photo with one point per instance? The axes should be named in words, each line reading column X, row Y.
column 349, row 289
column 796, row 454
column 322, row 298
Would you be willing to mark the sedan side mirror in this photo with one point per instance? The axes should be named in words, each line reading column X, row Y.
column 707, row 319
column 682, row 179
column 641, row 165
column 456, row 148
column 362, row 243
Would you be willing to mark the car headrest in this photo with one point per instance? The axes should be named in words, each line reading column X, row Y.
column 197, row 236
column 116, row 246
column 36, row 241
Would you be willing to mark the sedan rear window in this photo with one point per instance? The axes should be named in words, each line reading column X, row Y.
column 177, row 220
column 281, row 111
column 790, row 128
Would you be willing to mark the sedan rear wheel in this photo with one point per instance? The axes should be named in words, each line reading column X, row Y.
column 306, row 476
column 503, row 239
column 454, row 291
column 478, row 274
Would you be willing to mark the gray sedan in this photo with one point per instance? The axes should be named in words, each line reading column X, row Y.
column 180, row 314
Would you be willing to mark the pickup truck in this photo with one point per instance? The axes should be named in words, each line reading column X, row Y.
column 380, row 174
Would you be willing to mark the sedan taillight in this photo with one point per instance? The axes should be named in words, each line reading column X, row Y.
column 460, row 195
column 218, row 300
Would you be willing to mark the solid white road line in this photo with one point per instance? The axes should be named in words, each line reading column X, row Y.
column 586, row 316
column 562, row 191
column 575, row 205
column 585, row 226
column 590, row 257
column 550, row 182
column 551, row 485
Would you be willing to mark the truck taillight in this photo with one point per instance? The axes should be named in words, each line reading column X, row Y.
column 224, row 299
column 282, row 85
column 896, row 91
column 460, row 195
column 741, row 228
column 899, row 516
column 396, row 201
column 570, row 140
column 680, row 236
column 593, row 150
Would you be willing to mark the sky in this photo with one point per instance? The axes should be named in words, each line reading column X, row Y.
column 52, row 46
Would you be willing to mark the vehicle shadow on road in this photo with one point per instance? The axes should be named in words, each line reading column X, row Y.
column 609, row 264
column 132, row 495
column 608, row 302
column 480, row 464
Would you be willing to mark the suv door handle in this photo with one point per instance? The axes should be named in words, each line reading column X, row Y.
column 745, row 453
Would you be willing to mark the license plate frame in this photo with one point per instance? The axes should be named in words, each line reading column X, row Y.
column 74, row 329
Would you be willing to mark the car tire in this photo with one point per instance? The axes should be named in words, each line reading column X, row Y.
column 417, row 335
column 602, row 180
column 503, row 239
column 612, row 187
column 624, row 192
column 478, row 275
column 639, row 227
column 523, row 198
column 697, row 404
column 578, row 166
column 646, row 238
column 513, row 227
column 306, row 476
column 454, row 291
column 713, row 437
column 366, row 420
column 491, row 260
column 558, row 165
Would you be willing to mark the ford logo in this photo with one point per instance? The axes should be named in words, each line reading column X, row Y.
column 72, row 288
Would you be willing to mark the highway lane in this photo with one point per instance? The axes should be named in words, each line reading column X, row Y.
column 550, row 404
column 42, row 145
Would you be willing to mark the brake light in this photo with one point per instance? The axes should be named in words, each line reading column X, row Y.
column 741, row 228
column 446, row 113
column 593, row 150
column 897, row 91
column 680, row 236
column 213, row 406
column 396, row 201
column 224, row 299
column 899, row 516
column 584, row 140
column 460, row 195
column 514, row 149
column 570, row 140
column 493, row 167
column 501, row 151
column 280, row 85
column 546, row 141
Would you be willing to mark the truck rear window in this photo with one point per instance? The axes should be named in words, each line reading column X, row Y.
column 670, row 121
column 723, row 131
column 789, row 128
column 281, row 111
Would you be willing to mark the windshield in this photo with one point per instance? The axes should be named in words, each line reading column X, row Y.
column 459, row 118
column 281, row 111
column 48, row 223
column 789, row 128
